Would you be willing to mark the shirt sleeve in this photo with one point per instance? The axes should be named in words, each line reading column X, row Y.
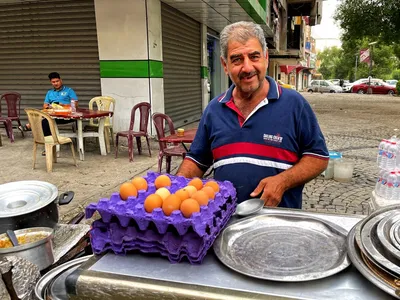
column 312, row 141
column 47, row 98
column 200, row 150
column 72, row 94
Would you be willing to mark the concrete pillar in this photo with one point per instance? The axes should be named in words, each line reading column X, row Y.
column 130, row 52
column 204, row 67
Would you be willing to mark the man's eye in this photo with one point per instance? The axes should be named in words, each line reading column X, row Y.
column 236, row 60
column 255, row 57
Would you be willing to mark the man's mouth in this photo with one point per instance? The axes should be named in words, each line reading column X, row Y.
column 247, row 76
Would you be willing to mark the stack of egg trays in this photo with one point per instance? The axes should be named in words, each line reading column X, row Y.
column 151, row 232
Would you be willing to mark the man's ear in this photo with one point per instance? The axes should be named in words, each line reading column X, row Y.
column 223, row 63
column 267, row 57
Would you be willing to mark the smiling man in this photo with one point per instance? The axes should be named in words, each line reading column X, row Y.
column 262, row 138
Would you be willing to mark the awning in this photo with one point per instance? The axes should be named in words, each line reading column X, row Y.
column 309, row 70
column 300, row 68
column 287, row 68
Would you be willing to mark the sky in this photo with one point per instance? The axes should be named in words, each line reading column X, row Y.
column 327, row 34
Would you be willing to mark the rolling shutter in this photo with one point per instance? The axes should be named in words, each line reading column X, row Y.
column 182, row 66
column 40, row 37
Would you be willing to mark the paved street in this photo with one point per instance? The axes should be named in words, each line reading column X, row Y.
column 352, row 124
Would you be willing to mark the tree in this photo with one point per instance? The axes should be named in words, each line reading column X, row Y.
column 340, row 62
column 371, row 19
column 329, row 58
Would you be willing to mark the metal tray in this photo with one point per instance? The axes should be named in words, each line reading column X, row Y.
column 45, row 280
column 283, row 247
column 383, row 233
column 374, row 250
column 387, row 210
column 395, row 234
column 354, row 254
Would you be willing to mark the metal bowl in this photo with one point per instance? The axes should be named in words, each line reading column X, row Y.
column 36, row 246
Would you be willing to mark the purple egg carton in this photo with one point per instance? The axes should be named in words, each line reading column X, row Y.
column 132, row 210
column 113, row 237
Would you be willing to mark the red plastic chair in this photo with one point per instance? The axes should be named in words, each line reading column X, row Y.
column 159, row 121
column 13, row 101
column 144, row 111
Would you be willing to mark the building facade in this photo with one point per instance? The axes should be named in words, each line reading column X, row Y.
column 164, row 52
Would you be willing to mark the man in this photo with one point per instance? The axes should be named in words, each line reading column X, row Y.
column 59, row 94
column 262, row 138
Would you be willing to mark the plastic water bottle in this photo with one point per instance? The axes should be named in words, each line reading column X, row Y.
column 391, row 180
column 378, row 185
column 381, row 149
column 383, row 186
column 73, row 106
column 396, row 190
column 392, row 150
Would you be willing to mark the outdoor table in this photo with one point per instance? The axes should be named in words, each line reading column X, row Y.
column 80, row 115
column 188, row 137
column 152, row 277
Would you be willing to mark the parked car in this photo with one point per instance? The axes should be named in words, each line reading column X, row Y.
column 323, row 86
column 391, row 82
column 375, row 87
column 335, row 81
column 347, row 85
column 285, row 85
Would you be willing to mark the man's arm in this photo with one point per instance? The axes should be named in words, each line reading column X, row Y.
column 73, row 96
column 47, row 103
column 272, row 188
column 189, row 169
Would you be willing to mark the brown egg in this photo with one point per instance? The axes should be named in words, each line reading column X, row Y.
column 197, row 183
column 152, row 201
column 163, row 193
column 140, row 183
column 213, row 184
column 201, row 197
column 126, row 190
column 182, row 194
column 162, row 181
column 190, row 189
column 170, row 204
column 209, row 191
column 189, row 206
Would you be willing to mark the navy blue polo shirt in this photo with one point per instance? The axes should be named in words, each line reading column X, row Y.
column 61, row 96
column 280, row 130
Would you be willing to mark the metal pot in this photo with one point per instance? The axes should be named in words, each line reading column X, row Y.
column 31, row 203
column 36, row 246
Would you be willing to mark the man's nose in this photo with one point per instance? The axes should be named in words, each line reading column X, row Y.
column 247, row 65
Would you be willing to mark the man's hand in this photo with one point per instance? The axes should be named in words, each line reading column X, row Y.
column 46, row 106
column 272, row 189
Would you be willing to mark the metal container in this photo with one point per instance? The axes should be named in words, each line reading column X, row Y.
column 36, row 246
column 33, row 203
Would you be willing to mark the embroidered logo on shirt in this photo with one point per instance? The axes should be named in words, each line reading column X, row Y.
column 64, row 94
column 269, row 138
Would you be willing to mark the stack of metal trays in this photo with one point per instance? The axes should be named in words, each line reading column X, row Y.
column 373, row 246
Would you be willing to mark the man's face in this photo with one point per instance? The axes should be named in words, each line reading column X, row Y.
column 56, row 83
column 246, row 65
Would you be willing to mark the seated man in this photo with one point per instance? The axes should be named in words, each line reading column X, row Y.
column 60, row 94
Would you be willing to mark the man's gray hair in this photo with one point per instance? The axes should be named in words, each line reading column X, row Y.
column 241, row 32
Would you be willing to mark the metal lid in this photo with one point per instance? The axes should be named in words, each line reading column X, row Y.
column 23, row 197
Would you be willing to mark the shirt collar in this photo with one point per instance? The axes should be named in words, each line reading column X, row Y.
column 274, row 91
column 62, row 88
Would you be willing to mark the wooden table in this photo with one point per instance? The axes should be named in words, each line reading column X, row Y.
column 188, row 137
column 80, row 115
